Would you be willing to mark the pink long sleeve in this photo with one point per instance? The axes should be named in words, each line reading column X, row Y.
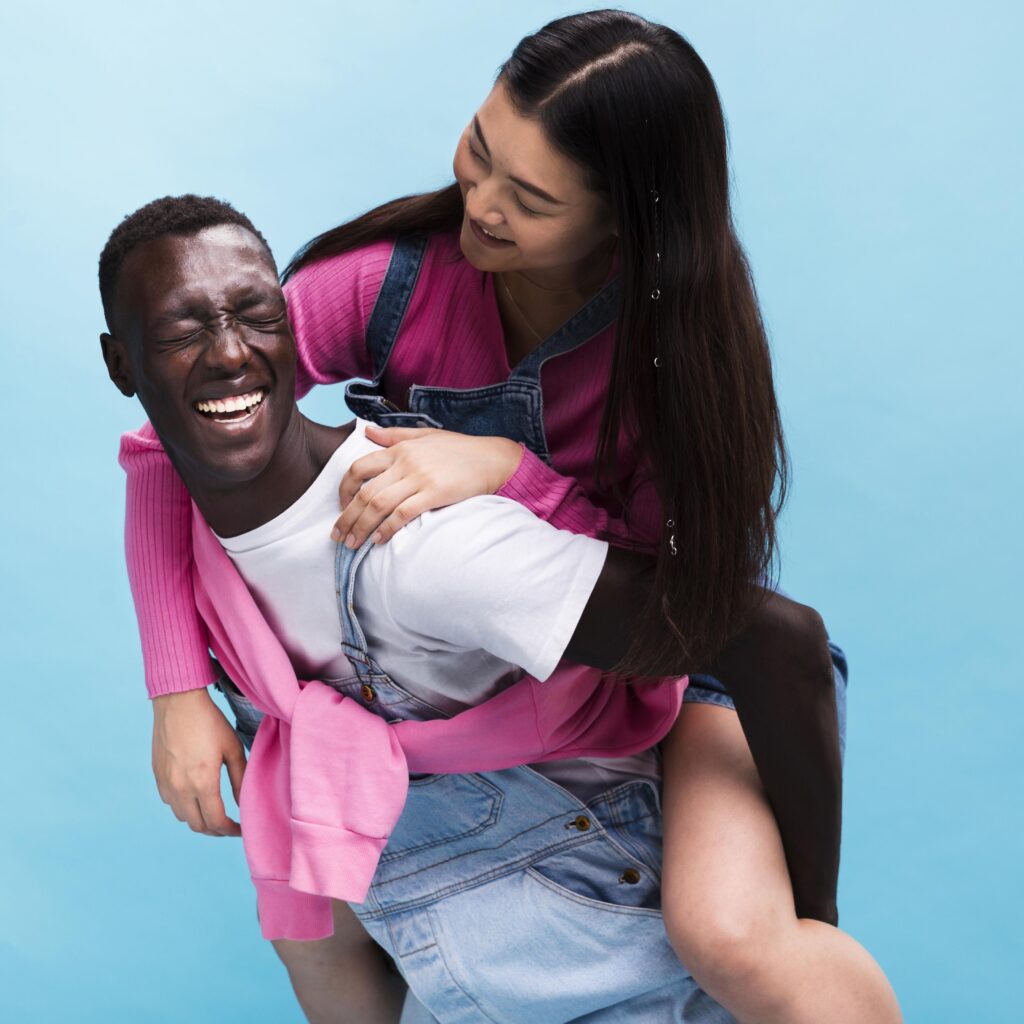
column 561, row 501
column 329, row 305
column 158, row 546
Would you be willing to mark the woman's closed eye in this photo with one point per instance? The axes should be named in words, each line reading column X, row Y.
column 481, row 159
column 526, row 209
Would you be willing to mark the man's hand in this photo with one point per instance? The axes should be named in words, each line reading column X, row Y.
column 191, row 739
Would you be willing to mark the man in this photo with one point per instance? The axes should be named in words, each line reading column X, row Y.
column 199, row 330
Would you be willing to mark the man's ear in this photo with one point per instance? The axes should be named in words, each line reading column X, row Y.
column 118, row 364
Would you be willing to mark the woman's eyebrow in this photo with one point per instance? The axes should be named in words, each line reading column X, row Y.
column 525, row 185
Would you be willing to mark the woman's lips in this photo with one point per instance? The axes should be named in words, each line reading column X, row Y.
column 489, row 240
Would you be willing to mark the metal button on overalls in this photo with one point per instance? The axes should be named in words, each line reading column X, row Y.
column 367, row 691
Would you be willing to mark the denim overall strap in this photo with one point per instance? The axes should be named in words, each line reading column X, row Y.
column 597, row 315
column 515, row 407
column 366, row 399
column 353, row 642
column 371, row 686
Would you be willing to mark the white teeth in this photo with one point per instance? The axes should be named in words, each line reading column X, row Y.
column 489, row 235
column 233, row 404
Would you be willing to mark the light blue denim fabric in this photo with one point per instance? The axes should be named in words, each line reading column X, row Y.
column 501, row 897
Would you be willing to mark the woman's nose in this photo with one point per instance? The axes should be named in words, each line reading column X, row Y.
column 482, row 203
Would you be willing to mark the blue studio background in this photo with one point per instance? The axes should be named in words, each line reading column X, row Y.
column 878, row 161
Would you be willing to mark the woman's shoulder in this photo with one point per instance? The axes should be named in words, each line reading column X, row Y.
column 344, row 269
column 365, row 266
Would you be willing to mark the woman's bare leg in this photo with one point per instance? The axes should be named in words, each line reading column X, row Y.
column 727, row 897
column 346, row 979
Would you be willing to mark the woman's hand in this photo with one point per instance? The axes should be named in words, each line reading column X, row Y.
column 419, row 469
column 191, row 739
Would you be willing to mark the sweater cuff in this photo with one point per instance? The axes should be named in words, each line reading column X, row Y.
column 286, row 914
column 532, row 484
column 332, row 861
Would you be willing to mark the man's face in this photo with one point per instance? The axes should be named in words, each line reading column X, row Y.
column 201, row 334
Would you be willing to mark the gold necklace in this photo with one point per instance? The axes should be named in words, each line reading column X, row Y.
column 605, row 267
column 519, row 309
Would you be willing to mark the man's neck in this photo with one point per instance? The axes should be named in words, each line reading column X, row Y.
column 298, row 460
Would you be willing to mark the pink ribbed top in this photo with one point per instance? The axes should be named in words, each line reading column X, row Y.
column 451, row 337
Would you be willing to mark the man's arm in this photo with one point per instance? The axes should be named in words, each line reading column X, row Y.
column 779, row 673
column 485, row 574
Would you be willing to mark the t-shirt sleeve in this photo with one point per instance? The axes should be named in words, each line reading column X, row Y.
column 486, row 574
column 329, row 306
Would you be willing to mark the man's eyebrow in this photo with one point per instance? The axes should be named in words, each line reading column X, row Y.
column 176, row 313
column 525, row 185
column 198, row 310
column 255, row 297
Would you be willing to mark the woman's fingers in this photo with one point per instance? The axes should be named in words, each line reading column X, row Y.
column 363, row 469
column 438, row 466
column 388, row 436
column 372, row 505
column 405, row 513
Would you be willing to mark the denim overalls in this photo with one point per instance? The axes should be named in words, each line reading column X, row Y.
column 513, row 409
column 503, row 898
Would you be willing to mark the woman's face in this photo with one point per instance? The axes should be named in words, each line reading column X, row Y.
column 526, row 204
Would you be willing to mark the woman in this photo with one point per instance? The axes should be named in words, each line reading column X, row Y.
column 592, row 193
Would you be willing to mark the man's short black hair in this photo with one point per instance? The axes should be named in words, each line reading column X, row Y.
column 171, row 215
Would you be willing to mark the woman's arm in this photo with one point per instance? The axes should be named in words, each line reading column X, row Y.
column 158, row 553
column 420, row 469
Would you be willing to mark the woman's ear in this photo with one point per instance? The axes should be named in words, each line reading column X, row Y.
column 119, row 366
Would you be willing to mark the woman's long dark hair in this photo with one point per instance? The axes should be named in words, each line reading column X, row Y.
column 633, row 104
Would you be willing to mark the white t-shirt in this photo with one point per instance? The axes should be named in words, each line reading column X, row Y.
column 453, row 607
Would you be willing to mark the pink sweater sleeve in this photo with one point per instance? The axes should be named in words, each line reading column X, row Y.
column 157, row 535
column 329, row 305
column 561, row 501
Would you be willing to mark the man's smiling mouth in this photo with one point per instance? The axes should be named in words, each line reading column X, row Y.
column 233, row 409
